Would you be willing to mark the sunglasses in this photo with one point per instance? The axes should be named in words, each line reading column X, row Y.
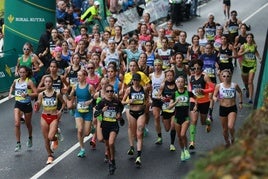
column 226, row 76
column 26, row 49
column 135, row 80
column 90, row 68
column 109, row 91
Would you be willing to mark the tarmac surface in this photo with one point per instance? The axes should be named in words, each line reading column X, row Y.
column 157, row 160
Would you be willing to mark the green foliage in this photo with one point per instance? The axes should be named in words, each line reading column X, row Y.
column 246, row 158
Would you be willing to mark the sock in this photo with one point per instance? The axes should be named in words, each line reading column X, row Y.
column 132, row 147
column 139, row 153
column 159, row 135
column 18, row 142
column 30, row 137
column 192, row 132
column 172, row 136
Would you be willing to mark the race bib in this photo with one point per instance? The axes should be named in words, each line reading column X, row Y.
column 224, row 58
column 73, row 81
column 233, row 29
column 228, row 94
column 19, row 92
column 155, row 93
column 210, row 72
column 137, row 98
column 198, row 94
column 49, row 102
column 82, row 107
column 250, row 56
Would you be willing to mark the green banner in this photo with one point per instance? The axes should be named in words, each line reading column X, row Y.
column 263, row 77
column 7, row 69
column 24, row 22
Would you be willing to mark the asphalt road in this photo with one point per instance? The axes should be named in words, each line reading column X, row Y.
column 157, row 161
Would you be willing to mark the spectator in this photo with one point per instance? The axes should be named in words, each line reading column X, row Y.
column 194, row 8
column 113, row 6
column 61, row 12
column 77, row 3
column 76, row 16
column 86, row 4
column 69, row 19
column 176, row 13
column 43, row 45
column 92, row 13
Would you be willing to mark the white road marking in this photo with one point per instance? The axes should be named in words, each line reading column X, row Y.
column 5, row 99
column 61, row 157
column 253, row 14
column 65, row 154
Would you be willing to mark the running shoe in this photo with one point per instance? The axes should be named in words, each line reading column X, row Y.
column 138, row 161
column 59, row 135
column 111, row 168
column 29, row 143
column 18, row 147
column 50, row 160
column 208, row 122
column 232, row 140
column 106, row 159
column 182, row 156
column 208, row 128
column 145, row 131
column 192, row 146
column 54, row 145
column 82, row 153
column 130, row 151
column 158, row 141
column 227, row 145
column 93, row 144
column 250, row 101
column 187, row 154
column 172, row 147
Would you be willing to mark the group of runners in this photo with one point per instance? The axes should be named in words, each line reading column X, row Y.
column 98, row 76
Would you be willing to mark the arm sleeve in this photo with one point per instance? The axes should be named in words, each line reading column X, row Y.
column 209, row 87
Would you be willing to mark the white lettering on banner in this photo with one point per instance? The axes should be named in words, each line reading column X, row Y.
column 2, row 74
column 157, row 9
column 37, row 19
column 21, row 19
column 129, row 19
column 32, row 19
